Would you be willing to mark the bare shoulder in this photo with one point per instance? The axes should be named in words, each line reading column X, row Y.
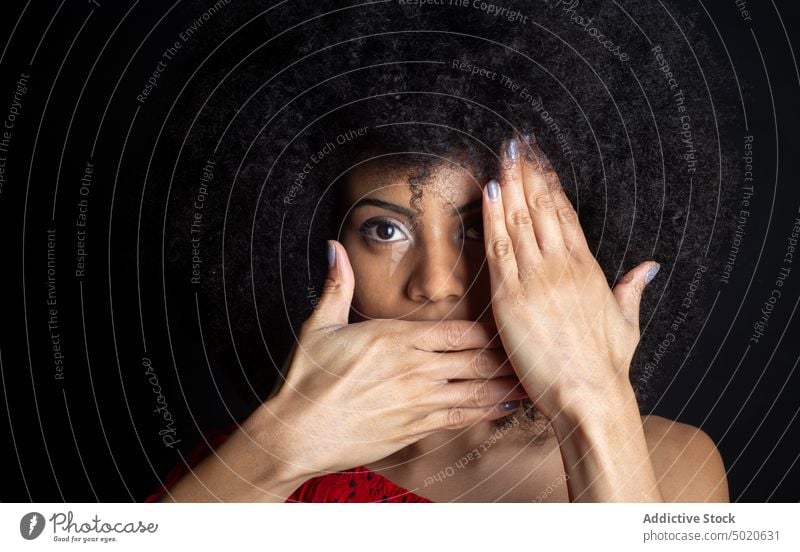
column 687, row 463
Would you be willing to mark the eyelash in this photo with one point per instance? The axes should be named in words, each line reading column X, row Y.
column 375, row 222
column 365, row 228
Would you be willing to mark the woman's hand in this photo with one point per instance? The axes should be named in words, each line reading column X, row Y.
column 569, row 337
column 356, row 393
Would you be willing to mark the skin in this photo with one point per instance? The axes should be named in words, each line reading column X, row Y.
column 428, row 322
column 548, row 295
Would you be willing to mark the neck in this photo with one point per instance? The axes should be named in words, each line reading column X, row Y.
column 516, row 431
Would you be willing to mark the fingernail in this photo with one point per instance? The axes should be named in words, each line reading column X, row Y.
column 493, row 189
column 510, row 405
column 331, row 254
column 512, row 149
column 652, row 273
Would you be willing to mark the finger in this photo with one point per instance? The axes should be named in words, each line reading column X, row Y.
column 458, row 417
column 540, row 181
column 333, row 307
column 503, row 270
column 517, row 213
column 476, row 393
column 474, row 364
column 571, row 231
column 450, row 335
column 630, row 288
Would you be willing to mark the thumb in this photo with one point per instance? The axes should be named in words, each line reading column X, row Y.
column 333, row 308
column 630, row 288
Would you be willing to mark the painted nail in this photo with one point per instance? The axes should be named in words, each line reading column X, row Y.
column 494, row 189
column 652, row 273
column 510, row 405
column 331, row 254
column 512, row 149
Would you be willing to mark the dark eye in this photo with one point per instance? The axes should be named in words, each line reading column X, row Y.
column 474, row 229
column 383, row 230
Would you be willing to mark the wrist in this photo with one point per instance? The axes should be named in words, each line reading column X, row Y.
column 293, row 459
column 598, row 411
column 605, row 451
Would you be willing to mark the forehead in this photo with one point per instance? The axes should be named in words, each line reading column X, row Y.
column 445, row 183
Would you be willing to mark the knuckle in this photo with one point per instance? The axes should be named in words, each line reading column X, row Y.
column 501, row 248
column 331, row 285
column 520, row 217
column 455, row 417
column 542, row 200
column 567, row 215
column 452, row 334
column 478, row 394
column 482, row 366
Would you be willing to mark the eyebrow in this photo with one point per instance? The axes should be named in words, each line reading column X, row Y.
column 412, row 214
column 364, row 201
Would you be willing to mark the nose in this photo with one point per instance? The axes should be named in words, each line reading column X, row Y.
column 438, row 274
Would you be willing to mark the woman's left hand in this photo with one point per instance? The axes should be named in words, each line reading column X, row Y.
column 569, row 337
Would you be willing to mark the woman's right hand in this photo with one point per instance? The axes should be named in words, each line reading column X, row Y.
column 356, row 393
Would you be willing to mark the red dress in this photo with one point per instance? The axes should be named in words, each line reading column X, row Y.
column 357, row 485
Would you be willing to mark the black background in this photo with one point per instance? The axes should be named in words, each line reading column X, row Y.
column 93, row 435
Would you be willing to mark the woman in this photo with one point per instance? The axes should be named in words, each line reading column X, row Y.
column 467, row 345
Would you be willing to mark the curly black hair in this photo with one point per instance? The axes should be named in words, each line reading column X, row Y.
column 629, row 102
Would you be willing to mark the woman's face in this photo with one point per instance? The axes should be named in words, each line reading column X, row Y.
column 415, row 266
